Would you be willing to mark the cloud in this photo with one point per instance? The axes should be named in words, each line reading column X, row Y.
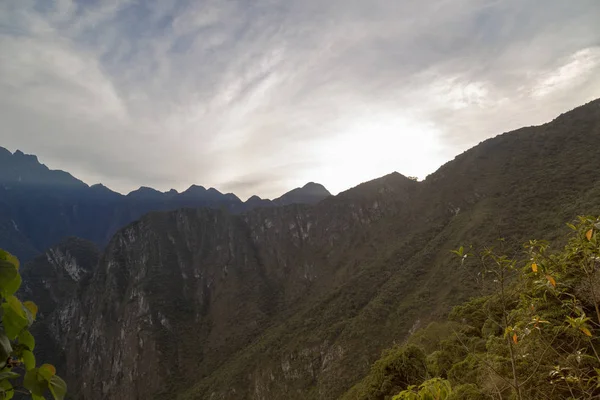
column 260, row 97
column 577, row 70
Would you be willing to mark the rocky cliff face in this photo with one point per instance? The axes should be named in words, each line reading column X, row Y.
column 176, row 294
column 57, row 280
column 295, row 302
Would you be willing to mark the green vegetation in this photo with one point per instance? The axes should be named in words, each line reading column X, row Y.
column 533, row 334
column 18, row 372
column 432, row 389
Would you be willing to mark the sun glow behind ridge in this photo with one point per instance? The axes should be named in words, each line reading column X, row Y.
column 376, row 143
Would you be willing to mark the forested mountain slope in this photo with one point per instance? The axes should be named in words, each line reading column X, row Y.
column 297, row 302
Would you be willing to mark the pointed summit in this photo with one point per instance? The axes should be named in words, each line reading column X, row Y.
column 195, row 190
column 4, row 153
column 255, row 202
column 311, row 193
column 25, row 169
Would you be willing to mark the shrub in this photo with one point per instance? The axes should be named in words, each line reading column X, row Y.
column 17, row 362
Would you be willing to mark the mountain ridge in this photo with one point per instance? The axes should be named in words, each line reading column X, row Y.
column 32, row 159
column 39, row 206
column 297, row 301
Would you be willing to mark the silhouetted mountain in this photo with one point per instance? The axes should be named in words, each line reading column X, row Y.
column 255, row 202
column 40, row 206
column 145, row 193
column 99, row 188
column 311, row 193
column 25, row 170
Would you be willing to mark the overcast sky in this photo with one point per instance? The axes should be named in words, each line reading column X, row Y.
column 258, row 97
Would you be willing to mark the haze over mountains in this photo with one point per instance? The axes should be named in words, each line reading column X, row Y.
column 291, row 301
column 39, row 206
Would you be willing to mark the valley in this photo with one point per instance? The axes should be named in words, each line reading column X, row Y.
column 199, row 295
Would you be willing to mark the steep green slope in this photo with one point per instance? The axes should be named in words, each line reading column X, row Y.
column 531, row 334
column 190, row 288
column 297, row 302
column 519, row 185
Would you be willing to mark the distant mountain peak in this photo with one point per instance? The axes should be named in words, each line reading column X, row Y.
column 5, row 152
column 311, row 193
column 232, row 196
column 392, row 182
column 309, row 184
column 144, row 191
column 29, row 157
column 99, row 186
column 195, row 189
column 316, row 188
column 147, row 189
column 25, row 169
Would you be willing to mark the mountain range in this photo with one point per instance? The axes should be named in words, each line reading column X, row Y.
column 293, row 301
column 38, row 206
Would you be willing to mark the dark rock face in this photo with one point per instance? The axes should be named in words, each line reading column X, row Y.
column 295, row 302
column 176, row 294
column 39, row 206
column 57, row 280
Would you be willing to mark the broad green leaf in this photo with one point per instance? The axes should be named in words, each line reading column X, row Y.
column 5, row 347
column 33, row 384
column 11, row 287
column 8, row 272
column 14, row 318
column 6, row 390
column 32, row 307
column 6, row 256
column 15, row 304
column 28, row 360
column 8, row 375
column 47, row 371
column 26, row 339
column 58, row 387
column 10, row 280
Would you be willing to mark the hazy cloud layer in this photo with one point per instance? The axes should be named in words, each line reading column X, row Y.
column 262, row 96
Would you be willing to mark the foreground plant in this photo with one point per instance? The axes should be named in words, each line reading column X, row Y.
column 546, row 307
column 533, row 333
column 18, row 371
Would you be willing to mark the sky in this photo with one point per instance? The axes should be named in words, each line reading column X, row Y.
column 259, row 97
